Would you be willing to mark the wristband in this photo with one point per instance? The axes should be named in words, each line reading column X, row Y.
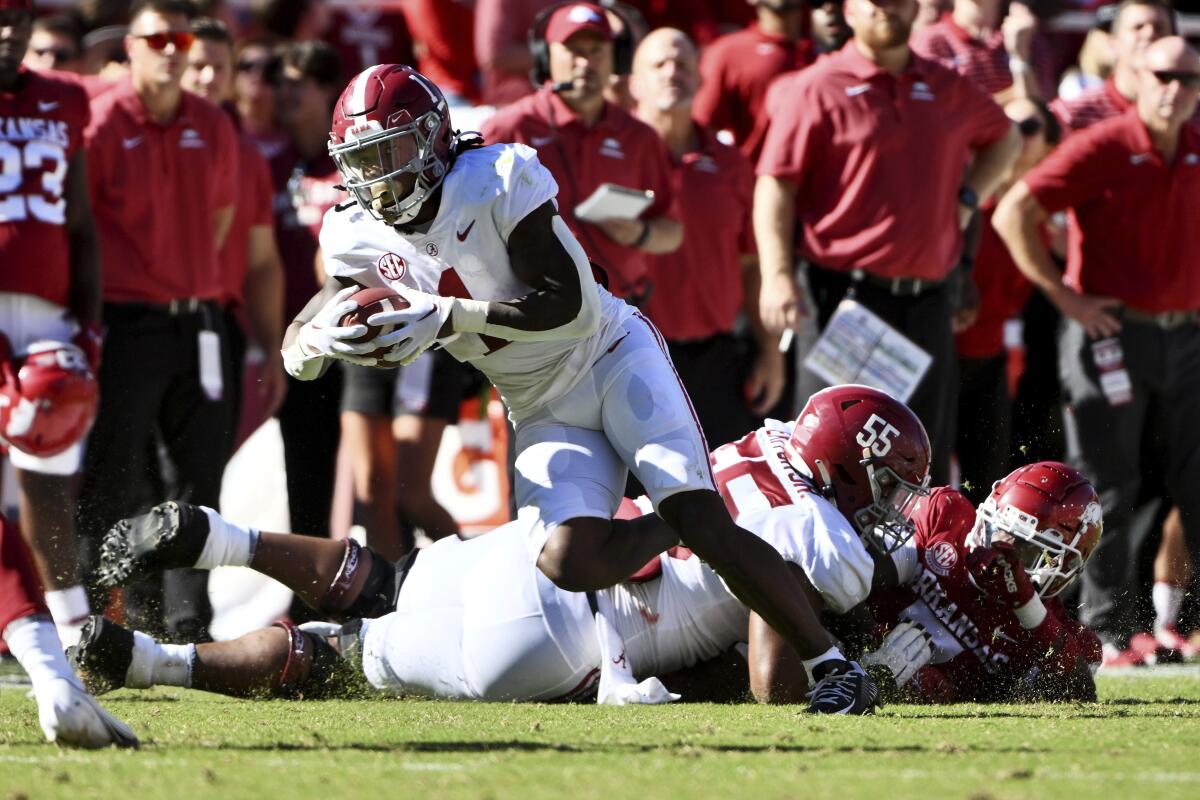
column 1031, row 614
column 468, row 316
column 1017, row 65
column 299, row 364
column 643, row 237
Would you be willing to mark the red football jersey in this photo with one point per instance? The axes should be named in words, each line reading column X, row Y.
column 980, row 648
column 41, row 128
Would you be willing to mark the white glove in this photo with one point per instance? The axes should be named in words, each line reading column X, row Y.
column 72, row 718
column 906, row 648
column 649, row 692
column 324, row 335
column 417, row 326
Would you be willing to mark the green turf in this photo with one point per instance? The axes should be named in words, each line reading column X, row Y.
column 1142, row 739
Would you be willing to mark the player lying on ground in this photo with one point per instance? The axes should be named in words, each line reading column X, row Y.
column 470, row 235
column 975, row 618
column 67, row 713
column 474, row 620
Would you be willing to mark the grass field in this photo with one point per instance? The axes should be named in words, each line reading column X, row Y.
column 1141, row 740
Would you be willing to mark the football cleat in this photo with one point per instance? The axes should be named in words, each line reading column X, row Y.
column 70, row 717
column 842, row 688
column 1141, row 651
column 169, row 536
column 103, row 655
column 1174, row 646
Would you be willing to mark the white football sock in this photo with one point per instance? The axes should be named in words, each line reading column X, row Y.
column 811, row 663
column 36, row 645
column 1167, row 599
column 69, row 607
column 155, row 664
column 228, row 544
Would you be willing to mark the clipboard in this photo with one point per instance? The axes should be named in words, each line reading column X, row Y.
column 611, row 201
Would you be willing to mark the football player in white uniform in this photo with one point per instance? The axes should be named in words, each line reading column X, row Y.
column 471, row 237
column 476, row 620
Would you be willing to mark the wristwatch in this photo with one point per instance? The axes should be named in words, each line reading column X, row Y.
column 968, row 198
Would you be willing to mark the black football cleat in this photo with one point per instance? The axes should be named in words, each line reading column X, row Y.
column 169, row 536
column 103, row 655
column 842, row 688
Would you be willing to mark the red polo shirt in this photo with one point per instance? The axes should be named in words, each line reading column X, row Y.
column 698, row 288
column 501, row 25
column 443, row 42
column 155, row 191
column 618, row 149
column 1091, row 106
column 736, row 71
column 255, row 198
column 878, row 161
column 1133, row 232
column 304, row 191
column 984, row 61
column 41, row 129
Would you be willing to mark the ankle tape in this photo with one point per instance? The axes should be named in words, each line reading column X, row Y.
column 363, row 587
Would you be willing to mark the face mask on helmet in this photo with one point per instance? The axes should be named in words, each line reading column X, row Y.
column 886, row 522
column 1049, row 556
column 390, row 172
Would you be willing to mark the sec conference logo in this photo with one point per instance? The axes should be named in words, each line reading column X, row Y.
column 941, row 558
column 392, row 266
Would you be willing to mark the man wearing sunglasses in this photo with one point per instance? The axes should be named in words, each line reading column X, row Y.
column 1131, row 294
column 164, row 185
column 56, row 44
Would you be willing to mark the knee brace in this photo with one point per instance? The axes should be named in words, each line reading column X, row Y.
column 314, row 670
column 364, row 587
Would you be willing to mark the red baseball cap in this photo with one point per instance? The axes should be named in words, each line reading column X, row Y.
column 571, row 19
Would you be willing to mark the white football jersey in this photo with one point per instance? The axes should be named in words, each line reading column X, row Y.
column 687, row 614
column 464, row 253
column 767, row 495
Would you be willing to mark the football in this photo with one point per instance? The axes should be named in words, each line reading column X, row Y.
column 371, row 302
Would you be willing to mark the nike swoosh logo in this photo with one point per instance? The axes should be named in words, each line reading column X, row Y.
column 44, row 106
column 131, row 143
column 540, row 141
column 462, row 235
column 854, row 91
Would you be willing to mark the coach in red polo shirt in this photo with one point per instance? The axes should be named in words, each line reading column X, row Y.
column 163, row 194
column 738, row 68
column 701, row 288
column 869, row 159
column 1132, row 294
column 586, row 141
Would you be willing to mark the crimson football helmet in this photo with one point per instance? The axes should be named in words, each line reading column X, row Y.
column 869, row 454
column 391, row 122
column 1051, row 513
column 48, row 397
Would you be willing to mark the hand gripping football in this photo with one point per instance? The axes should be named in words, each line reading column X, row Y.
column 370, row 302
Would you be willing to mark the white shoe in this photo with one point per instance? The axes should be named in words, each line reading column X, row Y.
column 71, row 717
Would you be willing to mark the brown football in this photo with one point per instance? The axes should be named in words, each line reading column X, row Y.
column 371, row 302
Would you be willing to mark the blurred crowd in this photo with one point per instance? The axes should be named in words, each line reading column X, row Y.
column 941, row 163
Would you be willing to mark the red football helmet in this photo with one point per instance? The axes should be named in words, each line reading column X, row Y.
column 869, row 454
column 48, row 398
column 1051, row 513
column 391, row 122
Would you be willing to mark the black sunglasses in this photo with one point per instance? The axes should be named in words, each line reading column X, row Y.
column 1188, row 79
